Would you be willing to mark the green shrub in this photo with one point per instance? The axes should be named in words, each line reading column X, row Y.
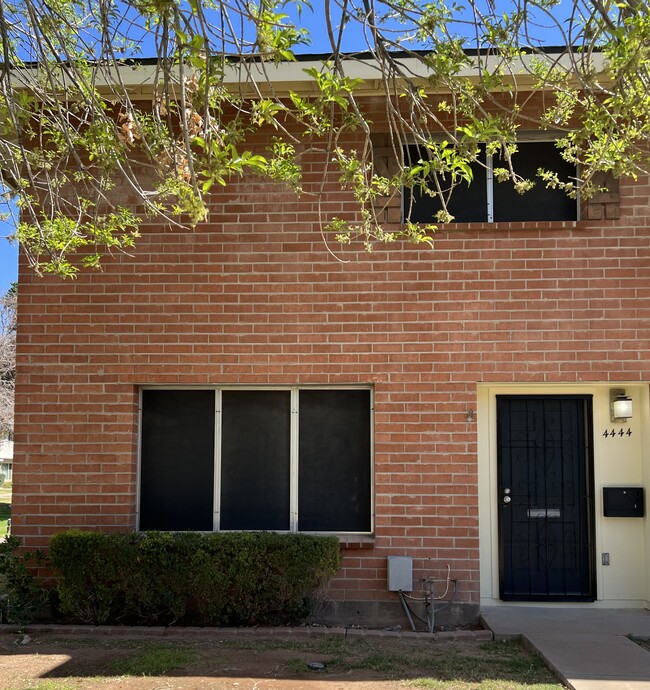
column 22, row 597
column 232, row 578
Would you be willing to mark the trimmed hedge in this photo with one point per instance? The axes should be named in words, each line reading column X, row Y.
column 22, row 597
column 230, row 578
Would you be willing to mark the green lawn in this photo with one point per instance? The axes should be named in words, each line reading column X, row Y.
column 5, row 511
column 384, row 663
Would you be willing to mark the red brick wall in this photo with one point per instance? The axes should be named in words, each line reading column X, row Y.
column 254, row 297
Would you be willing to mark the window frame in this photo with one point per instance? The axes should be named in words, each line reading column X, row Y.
column 525, row 138
column 294, row 465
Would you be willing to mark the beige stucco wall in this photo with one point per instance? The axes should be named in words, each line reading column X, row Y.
column 618, row 461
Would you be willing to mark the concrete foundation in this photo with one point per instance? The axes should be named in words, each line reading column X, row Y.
column 381, row 614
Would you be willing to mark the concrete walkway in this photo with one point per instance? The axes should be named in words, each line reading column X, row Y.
column 587, row 648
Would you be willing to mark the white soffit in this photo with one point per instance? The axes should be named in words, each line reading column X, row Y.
column 251, row 76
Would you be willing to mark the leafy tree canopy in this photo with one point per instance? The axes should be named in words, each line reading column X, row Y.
column 94, row 92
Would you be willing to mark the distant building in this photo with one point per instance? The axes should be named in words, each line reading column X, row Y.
column 6, row 460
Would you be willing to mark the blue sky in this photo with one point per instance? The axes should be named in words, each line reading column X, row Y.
column 8, row 258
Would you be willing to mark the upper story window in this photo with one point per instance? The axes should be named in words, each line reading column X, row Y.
column 487, row 200
column 295, row 460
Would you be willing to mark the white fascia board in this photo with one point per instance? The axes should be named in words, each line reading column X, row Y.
column 369, row 69
column 286, row 76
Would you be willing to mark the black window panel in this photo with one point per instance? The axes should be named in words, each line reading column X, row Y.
column 334, row 461
column 468, row 203
column 540, row 203
column 255, row 460
column 177, row 460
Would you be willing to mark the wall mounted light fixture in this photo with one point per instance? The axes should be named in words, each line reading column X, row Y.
column 620, row 405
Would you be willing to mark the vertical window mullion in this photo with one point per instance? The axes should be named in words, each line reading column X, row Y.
column 216, row 518
column 139, row 475
column 294, row 431
column 372, row 461
column 489, row 181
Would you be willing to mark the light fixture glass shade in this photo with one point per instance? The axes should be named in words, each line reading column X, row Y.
column 621, row 406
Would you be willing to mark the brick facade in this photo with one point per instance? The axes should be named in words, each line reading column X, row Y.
column 252, row 296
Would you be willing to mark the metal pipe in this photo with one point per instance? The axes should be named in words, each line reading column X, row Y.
column 407, row 610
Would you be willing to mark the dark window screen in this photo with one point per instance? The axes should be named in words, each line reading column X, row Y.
column 468, row 202
column 255, row 457
column 177, row 462
column 334, row 461
column 540, row 203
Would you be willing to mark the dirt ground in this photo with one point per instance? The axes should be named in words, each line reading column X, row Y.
column 47, row 662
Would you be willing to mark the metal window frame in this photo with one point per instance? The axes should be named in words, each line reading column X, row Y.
column 293, row 444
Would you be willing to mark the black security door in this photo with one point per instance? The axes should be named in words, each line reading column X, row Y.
column 544, row 453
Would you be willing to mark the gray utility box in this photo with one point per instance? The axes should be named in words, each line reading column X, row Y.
column 400, row 573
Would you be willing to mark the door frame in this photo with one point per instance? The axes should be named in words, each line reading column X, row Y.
column 589, row 488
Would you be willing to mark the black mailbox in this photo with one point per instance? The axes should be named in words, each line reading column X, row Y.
column 623, row 501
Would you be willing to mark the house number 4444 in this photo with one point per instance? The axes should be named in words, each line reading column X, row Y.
column 621, row 432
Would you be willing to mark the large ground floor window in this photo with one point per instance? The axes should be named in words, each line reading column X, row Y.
column 264, row 459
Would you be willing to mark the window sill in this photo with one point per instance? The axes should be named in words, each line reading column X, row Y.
column 517, row 225
column 357, row 541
